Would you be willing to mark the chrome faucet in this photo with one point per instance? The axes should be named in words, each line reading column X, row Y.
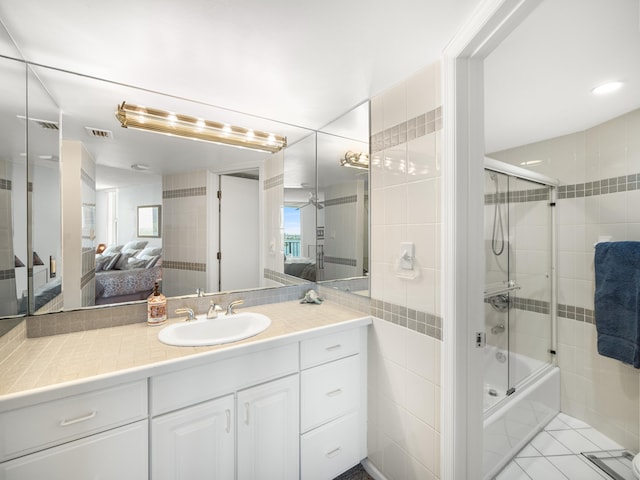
column 230, row 310
column 214, row 309
column 189, row 311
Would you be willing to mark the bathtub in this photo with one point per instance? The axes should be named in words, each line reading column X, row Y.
column 510, row 423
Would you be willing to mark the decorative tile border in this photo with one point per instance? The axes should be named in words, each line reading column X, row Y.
column 273, row 182
column 177, row 265
column 7, row 274
column 283, row 278
column 600, row 187
column 406, row 131
column 184, row 192
column 576, row 313
column 87, row 278
column 116, row 315
column 341, row 201
column 350, row 262
column 519, row 196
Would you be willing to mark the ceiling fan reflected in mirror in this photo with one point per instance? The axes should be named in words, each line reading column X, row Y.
column 313, row 200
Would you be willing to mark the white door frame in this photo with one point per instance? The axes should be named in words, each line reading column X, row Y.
column 463, row 231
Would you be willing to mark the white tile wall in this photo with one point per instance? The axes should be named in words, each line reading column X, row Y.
column 404, row 392
column 404, row 366
column 599, row 390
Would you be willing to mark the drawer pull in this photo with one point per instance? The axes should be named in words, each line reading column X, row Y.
column 84, row 418
column 332, row 348
column 334, row 452
column 333, row 393
column 246, row 413
column 228, row 412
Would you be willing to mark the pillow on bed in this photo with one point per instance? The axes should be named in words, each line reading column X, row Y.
column 112, row 262
column 122, row 262
column 135, row 245
column 103, row 260
column 112, row 250
column 136, row 263
column 150, row 252
column 150, row 259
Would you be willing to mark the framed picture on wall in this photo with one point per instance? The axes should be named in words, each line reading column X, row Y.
column 149, row 221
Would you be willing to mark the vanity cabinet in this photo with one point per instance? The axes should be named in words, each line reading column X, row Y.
column 294, row 408
column 268, row 428
column 96, row 434
column 333, row 413
column 195, row 442
column 233, row 418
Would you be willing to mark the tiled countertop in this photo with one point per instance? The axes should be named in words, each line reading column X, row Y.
column 38, row 363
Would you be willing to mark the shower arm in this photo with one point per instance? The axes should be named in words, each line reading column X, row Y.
column 500, row 291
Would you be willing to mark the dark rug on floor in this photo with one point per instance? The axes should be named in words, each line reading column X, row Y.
column 356, row 473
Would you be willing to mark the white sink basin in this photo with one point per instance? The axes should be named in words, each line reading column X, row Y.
column 215, row 331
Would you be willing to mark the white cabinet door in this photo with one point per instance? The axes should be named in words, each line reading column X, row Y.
column 119, row 454
column 195, row 442
column 268, row 430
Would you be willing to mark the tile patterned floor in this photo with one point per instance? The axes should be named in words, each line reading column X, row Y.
column 555, row 453
column 356, row 473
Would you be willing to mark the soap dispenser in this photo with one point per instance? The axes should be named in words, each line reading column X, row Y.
column 156, row 307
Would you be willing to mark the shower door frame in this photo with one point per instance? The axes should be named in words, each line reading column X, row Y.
column 463, row 151
column 540, row 179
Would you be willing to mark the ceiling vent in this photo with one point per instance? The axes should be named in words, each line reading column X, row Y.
column 99, row 133
column 45, row 124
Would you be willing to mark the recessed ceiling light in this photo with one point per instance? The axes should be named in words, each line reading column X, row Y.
column 140, row 166
column 606, row 88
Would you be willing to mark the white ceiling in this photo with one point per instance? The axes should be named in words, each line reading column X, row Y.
column 301, row 62
column 305, row 63
column 538, row 81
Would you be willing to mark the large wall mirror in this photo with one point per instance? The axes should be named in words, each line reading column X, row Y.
column 87, row 176
column 14, row 261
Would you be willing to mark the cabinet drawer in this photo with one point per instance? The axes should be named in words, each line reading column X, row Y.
column 39, row 426
column 330, row 450
column 327, row 348
column 328, row 391
column 120, row 454
column 186, row 387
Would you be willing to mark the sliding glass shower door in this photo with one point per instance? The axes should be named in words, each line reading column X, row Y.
column 518, row 285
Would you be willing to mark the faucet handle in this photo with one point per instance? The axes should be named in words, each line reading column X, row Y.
column 189, row 311
column 232, row 304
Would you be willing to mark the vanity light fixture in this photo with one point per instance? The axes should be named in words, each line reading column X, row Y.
column 606, row 88
column 355, row 160
column 168, row 123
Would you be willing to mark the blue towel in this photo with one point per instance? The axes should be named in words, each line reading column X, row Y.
column 617, row 294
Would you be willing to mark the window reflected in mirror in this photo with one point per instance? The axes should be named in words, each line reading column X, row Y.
column 149, row 221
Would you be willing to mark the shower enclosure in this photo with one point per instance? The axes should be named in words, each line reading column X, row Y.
column 520, row 378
